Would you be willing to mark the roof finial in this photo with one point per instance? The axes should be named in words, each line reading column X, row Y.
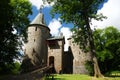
column 41, row 6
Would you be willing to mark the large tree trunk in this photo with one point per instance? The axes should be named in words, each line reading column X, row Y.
column 97, row 72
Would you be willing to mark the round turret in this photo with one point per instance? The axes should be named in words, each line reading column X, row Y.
column 36, row 47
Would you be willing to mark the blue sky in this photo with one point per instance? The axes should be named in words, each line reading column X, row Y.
column 109, row 9
column 49, row 20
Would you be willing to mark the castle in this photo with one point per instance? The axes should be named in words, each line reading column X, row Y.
column 43, row 49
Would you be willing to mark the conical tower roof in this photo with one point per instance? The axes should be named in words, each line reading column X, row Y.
column 39, row 19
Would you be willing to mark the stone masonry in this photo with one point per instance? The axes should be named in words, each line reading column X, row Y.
column 42, row 49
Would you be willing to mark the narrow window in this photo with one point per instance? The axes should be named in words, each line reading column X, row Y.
column 34, row 50
column 79, row 53
column 35, row 28
column 34, row 40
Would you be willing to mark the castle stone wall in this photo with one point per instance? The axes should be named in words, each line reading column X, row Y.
column 79, row 58
column 36, row 47
column 41, row 49
column 56, row 50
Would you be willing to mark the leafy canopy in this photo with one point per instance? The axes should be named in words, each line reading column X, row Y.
column 14, row 16
column 107, row 47
column 21, row 10
column 76, row 11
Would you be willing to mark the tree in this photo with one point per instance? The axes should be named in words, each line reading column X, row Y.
column 80, row 13
column 14, row 16
column 107, row 47
column 21, row 10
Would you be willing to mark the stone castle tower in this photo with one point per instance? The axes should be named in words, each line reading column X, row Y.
column 36, row 47
column 43, row 50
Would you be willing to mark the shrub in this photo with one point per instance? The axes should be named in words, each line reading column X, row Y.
column 89, row 66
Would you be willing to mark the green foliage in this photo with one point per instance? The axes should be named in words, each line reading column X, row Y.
column 16, row 68
column 14, row 16
column 21, row 10
column 89, row 67
column 80, row 13
column 108, row 49
column 81, row 39
column 8, row 40
column 12, row 68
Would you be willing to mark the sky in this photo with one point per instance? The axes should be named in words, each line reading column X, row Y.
column 110, row 9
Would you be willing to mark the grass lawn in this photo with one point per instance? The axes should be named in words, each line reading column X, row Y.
column 78, row 77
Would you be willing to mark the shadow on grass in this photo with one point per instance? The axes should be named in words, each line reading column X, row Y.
column 55, row 79
column 113, row 76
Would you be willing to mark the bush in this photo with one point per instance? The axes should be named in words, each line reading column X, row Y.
column 16, row 68
column 12, row 68
column 89, row 66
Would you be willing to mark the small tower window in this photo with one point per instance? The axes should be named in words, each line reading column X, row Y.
column 34, row 40
column 34, row 50
column 35, row 28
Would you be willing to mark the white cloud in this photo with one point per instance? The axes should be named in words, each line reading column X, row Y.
column 67, row 33
column 54, row 26
column 39, row 3
column 48, row 5
column 111, row 10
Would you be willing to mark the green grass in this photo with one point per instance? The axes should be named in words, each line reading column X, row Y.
column 73, row 77
column 78, row 77
column 64, row 77
column 115, row 73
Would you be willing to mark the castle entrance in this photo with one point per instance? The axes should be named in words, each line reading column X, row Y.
column 51, row 60
column 51, row 63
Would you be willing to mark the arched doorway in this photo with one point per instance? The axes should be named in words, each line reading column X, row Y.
column 51, row 63
column 51, row 60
